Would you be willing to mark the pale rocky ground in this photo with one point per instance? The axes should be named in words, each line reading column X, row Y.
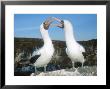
column 85, row 71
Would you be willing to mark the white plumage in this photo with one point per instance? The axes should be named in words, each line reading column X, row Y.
column 74, row 50
column 46, row 52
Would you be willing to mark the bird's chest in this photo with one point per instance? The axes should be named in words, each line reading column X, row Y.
column 73, row 52
column 49, row 50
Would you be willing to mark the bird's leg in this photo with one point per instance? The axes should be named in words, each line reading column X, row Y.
column 73, row 66
column 35, row 70
column 45, row 68
column 82, row 64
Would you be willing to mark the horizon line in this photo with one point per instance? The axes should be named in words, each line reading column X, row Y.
column 54, row 39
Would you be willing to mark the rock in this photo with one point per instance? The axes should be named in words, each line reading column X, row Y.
column 85, row 71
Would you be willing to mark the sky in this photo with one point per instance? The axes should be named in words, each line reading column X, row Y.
column 28, row 26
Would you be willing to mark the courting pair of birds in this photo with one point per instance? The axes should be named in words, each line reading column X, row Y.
column 44, row 55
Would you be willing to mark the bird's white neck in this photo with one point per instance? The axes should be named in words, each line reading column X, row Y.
column 45, row 36
column 69, row 35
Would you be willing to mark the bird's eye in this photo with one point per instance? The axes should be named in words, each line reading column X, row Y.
column 46, row 25
column 62, row 22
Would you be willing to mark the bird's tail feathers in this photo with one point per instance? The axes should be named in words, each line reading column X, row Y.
column 82, row 48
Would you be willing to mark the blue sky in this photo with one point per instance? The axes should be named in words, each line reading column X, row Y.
column 27, row 26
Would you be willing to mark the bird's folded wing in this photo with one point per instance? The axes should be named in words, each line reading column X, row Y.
column 34, row 58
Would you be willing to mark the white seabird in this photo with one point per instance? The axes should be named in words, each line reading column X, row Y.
column 45, row 53
column 74, row 50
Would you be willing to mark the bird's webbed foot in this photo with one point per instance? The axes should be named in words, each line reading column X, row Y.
column 35, row 71
column 73, row 68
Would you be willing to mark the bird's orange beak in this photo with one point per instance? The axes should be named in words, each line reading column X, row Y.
column 61, row 25
column 47, row 23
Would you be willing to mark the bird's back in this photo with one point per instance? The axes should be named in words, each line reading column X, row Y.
column 34, row 58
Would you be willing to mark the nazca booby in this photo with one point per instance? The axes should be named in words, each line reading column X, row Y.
column 43, row 56
column 74, row 50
